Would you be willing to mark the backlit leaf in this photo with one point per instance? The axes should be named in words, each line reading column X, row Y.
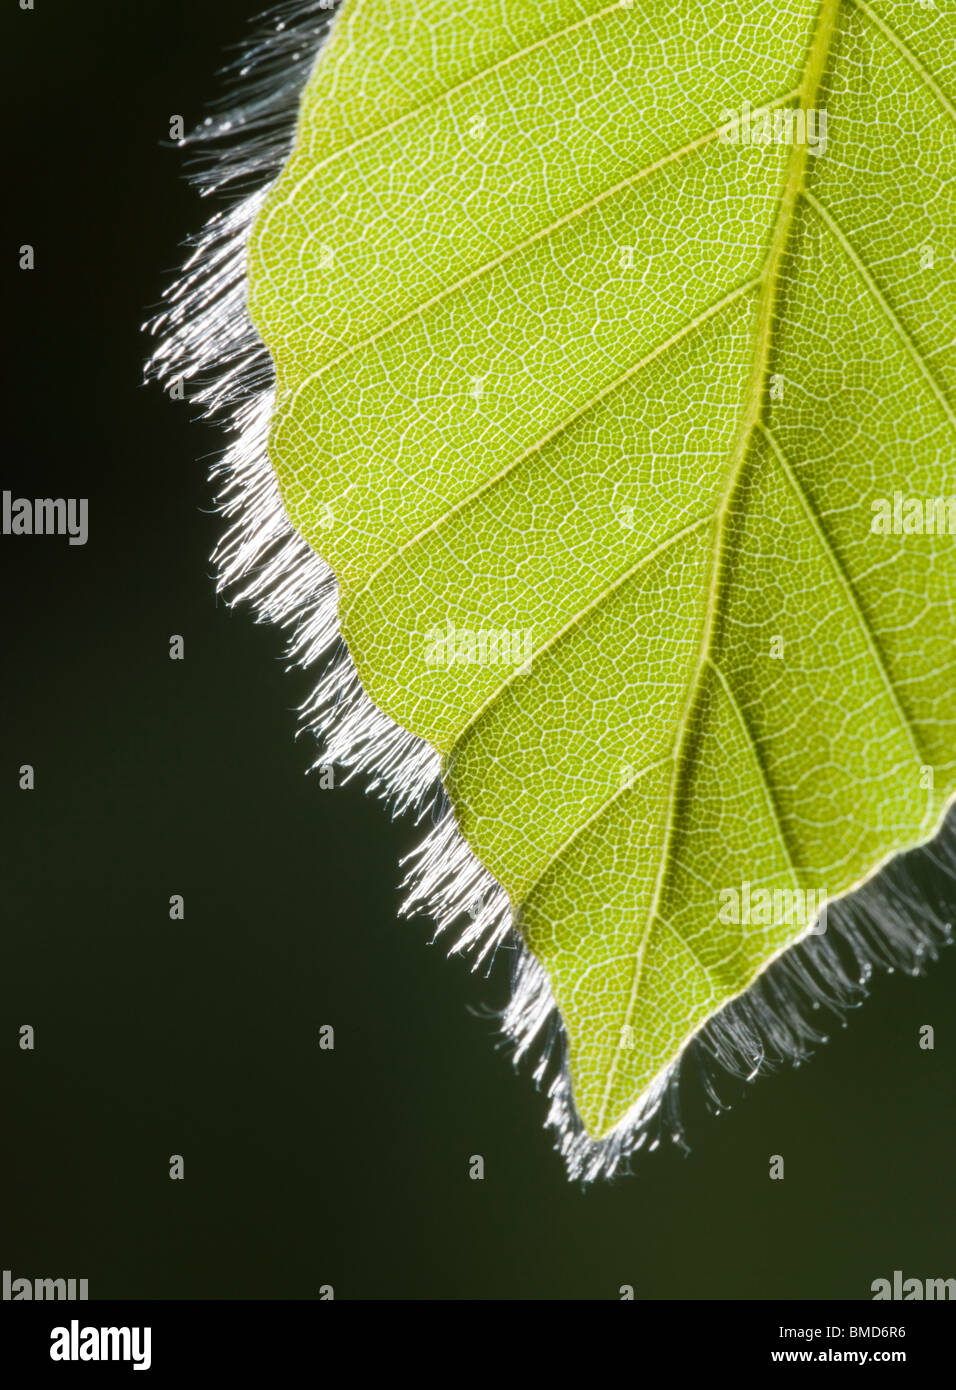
column 622, row 428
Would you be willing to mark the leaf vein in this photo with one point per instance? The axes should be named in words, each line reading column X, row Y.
column 586, row 612
column 830, row 222
column 762, row 770
column 710, row 312
column 542, row 234
column 849, row 592
column 917, row 64
column 752, row 410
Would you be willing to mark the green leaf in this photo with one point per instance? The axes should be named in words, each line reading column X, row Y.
column 557, row 355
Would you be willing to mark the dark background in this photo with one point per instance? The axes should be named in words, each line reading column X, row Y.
column 154, row 777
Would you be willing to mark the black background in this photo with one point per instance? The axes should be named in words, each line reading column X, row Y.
column 154, row 777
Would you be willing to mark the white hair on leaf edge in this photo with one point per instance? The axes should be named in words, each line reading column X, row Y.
column 206, row 337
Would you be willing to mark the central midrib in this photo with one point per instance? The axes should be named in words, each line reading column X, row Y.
column 753, row 405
